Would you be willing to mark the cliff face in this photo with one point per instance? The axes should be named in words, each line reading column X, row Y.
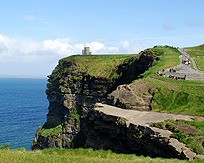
column 73, row 91
column 125, row 97
column 112, row 132
column 130, row 131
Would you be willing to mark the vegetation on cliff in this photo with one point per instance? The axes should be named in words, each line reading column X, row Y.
column 170, row 95
column 176, row 96
column 189, row 132
column 102, row 66
column 99, row 66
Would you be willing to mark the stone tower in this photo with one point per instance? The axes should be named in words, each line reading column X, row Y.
column 86, row 51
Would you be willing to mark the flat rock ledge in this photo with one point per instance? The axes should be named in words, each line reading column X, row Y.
column 142, row 120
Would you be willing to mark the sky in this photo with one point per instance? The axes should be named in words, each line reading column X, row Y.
column 35, row 34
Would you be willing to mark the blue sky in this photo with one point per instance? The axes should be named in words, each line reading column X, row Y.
column 35, row 34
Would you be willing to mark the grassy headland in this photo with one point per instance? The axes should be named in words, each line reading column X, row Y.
column 100, row 65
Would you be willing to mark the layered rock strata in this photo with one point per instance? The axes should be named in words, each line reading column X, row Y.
column 124, row 97
column 72, row 94
column 129, row 131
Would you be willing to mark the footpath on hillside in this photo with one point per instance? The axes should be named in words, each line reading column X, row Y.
column 184, row 70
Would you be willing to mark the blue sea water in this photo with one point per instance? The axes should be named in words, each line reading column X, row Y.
column 23, row 107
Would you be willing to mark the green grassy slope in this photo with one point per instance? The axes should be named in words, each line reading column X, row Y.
column 200, row 63
column 194, row 54
column 168, row 57
column 183, row 97
column 174, row 96
column 200, row 47
column 75, row 155
column 100, row 65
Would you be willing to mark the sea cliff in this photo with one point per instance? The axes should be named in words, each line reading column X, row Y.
column 76, row 85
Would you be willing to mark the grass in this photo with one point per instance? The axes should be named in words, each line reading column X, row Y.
column 170, row 95
column 200, row 47
column 177, row 96
column 168, row 58
column 51, row 131
column 76, row 155
column 106, row 66
column 197, row 124
column 194, row 54
column 200, row 63
column 100, row 65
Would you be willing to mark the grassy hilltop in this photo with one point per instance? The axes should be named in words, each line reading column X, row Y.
column 170, row 95
column 100, row 65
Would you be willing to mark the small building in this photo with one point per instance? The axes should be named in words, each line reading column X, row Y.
column 86, row 51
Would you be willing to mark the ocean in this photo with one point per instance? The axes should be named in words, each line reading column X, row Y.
column 23, row 107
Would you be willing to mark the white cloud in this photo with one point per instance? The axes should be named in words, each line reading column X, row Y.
column 129, row 47
column 58, row 46
column 125, row 44
column 27, row 55
column 169, row 25
column 95, row 46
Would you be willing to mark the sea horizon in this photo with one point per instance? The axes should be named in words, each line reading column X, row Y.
column 23, row 76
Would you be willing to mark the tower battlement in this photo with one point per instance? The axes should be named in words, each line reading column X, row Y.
column 86, row 51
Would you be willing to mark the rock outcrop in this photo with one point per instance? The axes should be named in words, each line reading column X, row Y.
column 124, row 97
column 128, row 131
column 73, row 92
